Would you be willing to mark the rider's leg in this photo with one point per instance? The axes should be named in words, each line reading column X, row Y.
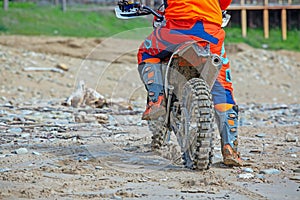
column 226, row 114
column 150, row 54
column 151, row 74
column 227, row 120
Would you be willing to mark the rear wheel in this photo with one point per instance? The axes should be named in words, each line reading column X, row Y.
column 196, row 130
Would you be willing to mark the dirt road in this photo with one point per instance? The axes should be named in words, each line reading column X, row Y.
column 51, row 151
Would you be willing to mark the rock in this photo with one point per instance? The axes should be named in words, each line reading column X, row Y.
column 248, row 170
column 21, row 151
column 246, row 176
column 98, row 167
column 42, row 69
column 112, row 120
column 94, row 99
column 25, row 135
column 83, row 117
column 261, row 135
column 296, row 170
column 255, row 151
column 294, row 155
column 34, row 118
column 295, row 178
column 117, row 197
column 62, row 66
column 260, row 176
column 5, row 155
column 102, row 118
column 270, row 171
column 4, row 170
column 15, row 130
column 36, row 153
column 142, row 123
column 2, row 113
column 289, row 137
column 20, row 89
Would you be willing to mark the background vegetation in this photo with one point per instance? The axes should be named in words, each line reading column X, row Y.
column 31, row 19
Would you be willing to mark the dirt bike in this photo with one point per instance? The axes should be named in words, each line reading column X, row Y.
column 189, row 74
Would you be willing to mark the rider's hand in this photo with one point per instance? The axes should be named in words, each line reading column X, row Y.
column 126, row 6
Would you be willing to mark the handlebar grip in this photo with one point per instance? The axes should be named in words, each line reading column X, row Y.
column 156, row 14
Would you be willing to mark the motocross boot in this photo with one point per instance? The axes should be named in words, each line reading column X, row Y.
column 227, row 120
column 151, row 74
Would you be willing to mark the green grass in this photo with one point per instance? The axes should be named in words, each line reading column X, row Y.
column 255, row 38
column 31, row 19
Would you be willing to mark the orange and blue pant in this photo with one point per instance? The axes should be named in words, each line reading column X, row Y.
column 164, row 40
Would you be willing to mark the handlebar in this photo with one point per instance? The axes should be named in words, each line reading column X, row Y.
column 153, row 12
column 129, row 9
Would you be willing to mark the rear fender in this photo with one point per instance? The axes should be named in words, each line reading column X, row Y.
column 191, row 54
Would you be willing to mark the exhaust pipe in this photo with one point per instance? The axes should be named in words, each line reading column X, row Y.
column 216, row 61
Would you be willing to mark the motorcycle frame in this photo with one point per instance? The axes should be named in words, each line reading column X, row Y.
column 197, row 55
column 194, row 53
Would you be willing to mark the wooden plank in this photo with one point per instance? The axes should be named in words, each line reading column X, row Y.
column 262, row 7
column 266, row 23
column 266, row 20
column 283, row 24
column 5, row 4
column 64, row 5
column 244, row 19
column 244, row 22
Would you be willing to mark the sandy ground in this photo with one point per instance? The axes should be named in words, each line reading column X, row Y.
column 92, row 159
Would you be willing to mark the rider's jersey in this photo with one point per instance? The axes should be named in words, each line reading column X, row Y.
column 204, row 10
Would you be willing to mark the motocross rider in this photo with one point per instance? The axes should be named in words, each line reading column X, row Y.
column 192, row 20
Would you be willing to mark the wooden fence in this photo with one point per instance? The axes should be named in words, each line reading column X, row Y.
column 243, row 6
column 265, row 5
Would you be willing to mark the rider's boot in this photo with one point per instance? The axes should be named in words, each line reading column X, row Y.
column 151, row 74
column 227, row 120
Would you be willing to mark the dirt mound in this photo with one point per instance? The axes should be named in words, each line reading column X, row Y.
column 74, row 47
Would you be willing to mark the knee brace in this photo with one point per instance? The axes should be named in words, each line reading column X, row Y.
column 151, row 75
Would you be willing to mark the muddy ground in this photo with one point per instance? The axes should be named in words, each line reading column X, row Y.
column 52, row 151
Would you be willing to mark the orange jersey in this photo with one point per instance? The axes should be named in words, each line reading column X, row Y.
column 204, row 10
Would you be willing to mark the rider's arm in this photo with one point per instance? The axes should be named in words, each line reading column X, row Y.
column 224, row 4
